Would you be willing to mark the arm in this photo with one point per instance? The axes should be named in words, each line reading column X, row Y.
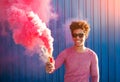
column 55, row 64
column 94, row 68
column 60, row 60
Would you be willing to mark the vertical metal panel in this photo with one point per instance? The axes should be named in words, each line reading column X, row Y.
column 117, row 38
column 104, row 46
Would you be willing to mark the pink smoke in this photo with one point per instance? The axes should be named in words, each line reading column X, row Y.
column 43, row 8
column 28, row 19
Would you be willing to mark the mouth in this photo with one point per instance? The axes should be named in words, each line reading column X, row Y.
column 78, row 41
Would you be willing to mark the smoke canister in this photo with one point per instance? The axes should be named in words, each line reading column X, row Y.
column 50, row 59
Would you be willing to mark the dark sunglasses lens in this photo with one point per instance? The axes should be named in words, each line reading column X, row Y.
column 74, row 35
column 80, row 35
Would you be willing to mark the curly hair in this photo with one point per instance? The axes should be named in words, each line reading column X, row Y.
column 80, row 25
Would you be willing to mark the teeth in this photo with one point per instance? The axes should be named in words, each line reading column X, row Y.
column 77, row 41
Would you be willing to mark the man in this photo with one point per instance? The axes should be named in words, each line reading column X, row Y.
column 80, row 62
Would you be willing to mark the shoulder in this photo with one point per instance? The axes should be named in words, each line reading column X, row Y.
column 92, row 53
column 67, row 50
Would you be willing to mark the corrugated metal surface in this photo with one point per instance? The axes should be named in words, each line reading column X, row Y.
column 104, row 19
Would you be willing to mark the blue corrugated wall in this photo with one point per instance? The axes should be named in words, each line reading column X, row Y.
column 104, row 19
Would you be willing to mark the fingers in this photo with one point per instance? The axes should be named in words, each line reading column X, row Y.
column 49, row 70
column 49, row 67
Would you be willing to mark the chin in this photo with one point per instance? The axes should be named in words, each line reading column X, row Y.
column 78, row 45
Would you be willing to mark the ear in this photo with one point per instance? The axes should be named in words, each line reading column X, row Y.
column 86, row 36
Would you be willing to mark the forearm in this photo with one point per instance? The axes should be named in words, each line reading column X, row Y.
column 95, row 79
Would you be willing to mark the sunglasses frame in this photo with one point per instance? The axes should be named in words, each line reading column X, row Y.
column 80, row 35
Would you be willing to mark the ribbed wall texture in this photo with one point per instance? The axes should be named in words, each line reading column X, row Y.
column 104, row 19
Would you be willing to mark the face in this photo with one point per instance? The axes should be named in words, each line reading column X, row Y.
column 78, row 37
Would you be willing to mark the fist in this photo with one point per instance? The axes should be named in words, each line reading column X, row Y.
column 50, row 67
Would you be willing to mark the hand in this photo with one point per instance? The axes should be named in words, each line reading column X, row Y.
column 50, row 67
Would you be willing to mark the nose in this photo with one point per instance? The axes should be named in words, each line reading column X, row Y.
column 77, row 37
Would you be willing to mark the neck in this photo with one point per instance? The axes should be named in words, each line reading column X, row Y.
column 80, row 48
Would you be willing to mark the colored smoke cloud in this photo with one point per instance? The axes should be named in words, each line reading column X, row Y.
column 28, row 21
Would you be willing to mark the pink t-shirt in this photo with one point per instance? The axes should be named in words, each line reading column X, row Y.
column 78, row 66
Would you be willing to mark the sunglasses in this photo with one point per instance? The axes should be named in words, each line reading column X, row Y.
column 80, row 35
